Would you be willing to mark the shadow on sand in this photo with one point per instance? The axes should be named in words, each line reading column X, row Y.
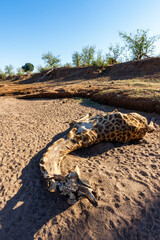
column 32, row 206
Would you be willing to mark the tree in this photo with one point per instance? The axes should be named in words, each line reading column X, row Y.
column 2, row 75
column 76, row 59
column 51, row 60
column 100, row 60
column 41, row 69
column 67, row 65
column 28, row 67
column 20, row 71
column 114, row 54
column 9, row 70
column 88, row 55
column 139, row 44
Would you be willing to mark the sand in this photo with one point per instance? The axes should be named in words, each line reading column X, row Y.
column 126, row 177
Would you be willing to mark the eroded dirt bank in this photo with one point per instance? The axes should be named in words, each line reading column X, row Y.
column 132, row 85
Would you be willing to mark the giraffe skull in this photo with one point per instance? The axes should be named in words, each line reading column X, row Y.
column 75, row 188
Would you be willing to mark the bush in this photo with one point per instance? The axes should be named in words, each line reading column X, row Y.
column 114, row 54
column 20, row 71
column 99, row 61
column 9, row 70
column 111, row 60
column 28, row 67
column 67, row 65
column 3, row 76
column 42, row 69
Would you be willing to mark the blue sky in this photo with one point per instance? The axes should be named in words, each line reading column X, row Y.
column 32, row 27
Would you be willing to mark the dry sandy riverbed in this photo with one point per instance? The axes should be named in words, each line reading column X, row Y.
column 126, row 177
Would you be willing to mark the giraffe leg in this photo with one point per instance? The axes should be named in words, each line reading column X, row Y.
column 85, row 118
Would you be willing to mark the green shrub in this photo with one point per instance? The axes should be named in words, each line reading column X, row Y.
column 28, row 67
column 67, row 65
column 111, row 60
column 3, row 76
column 100, row 60
column 20, row 71
column 9, row 70
column 42, row 69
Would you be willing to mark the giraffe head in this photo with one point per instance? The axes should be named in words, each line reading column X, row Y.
column 74, row 187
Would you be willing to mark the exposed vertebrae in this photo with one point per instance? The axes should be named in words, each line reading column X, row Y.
column 114, row 126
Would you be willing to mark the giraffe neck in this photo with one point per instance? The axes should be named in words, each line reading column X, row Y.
column 50, row 162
